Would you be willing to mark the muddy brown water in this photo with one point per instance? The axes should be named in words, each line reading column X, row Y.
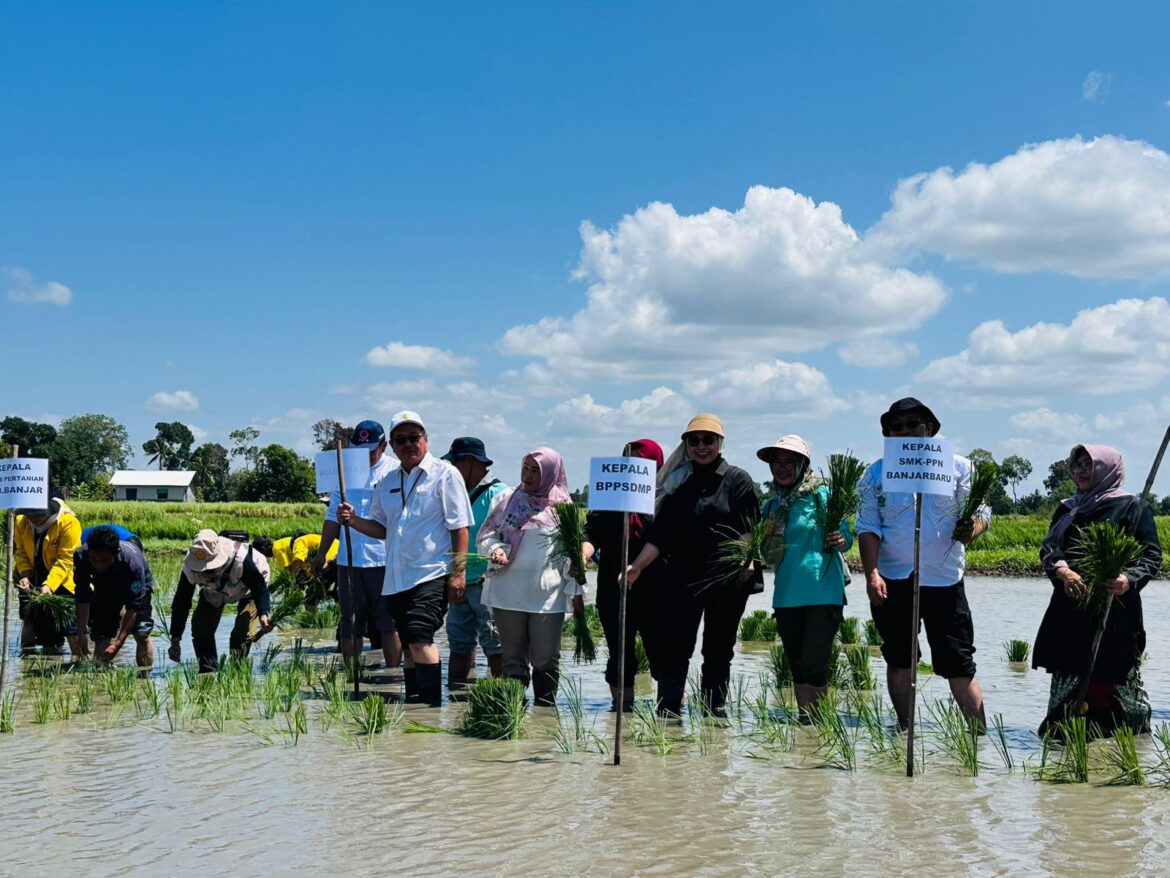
column 133, row 799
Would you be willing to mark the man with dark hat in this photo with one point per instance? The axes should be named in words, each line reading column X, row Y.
column 469, row 620
column 885, row 531
column 359, row 587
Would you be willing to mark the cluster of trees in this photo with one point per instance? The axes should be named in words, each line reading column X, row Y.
column 86, row 450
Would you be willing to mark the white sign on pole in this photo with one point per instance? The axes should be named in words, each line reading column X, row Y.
column 24, row 483
column 918, row 465
column 357, row 470
column 622, row 484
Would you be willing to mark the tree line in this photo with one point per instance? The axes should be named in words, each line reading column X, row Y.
column 85, row 450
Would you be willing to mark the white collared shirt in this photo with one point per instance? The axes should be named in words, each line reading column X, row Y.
column 367, row 551
column 419, row 510
column 890, row 516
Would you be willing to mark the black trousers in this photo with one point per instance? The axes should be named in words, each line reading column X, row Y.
column 205, row 621
column 719, row 607
column 644, row 609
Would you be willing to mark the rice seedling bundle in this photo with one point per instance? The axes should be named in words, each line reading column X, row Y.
column 568, row 538
column 845, row 472
column 286, row 608
column 984, row 477
column 1017, row 650
column 648, row 729
column 641, row 657
column 757, row 627
column 327, row 617
column 959, row 735
column 460, row 560
column 1072, row 764
column 1103, row 552
column 1160, row 772
column 584, row 649
column 1120, row 759
column 61, row 609
column 370, row 715
column 495, row 709
column 837, row 744
column 872, row 636
column 850, row 631
column 861, row 676
column 43, row 697
column 781, row 669
column 737, row 551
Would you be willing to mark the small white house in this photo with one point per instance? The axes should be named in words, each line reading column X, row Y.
column 161, row 485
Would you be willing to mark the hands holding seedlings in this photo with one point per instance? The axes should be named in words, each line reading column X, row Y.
column 966, row 531
column 24, row 584
column 835, row 541
column 1119, row 585
column 1074, row 586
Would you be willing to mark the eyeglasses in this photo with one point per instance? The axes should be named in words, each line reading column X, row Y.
column 906, row 424
column 1082, row 465
column 693, row 440
column 412, row 439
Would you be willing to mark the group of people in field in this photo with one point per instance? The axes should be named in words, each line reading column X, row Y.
column 436, row 541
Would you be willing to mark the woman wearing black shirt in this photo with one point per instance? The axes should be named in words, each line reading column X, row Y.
column 705, row 502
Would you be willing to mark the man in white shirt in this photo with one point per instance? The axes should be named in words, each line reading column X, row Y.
column 359, row 585
column 422, row 511
column 885, row 531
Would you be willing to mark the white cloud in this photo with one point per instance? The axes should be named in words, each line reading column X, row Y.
column 1099, row 208
column 1096, row 86
column 179, row 401
column 773, row 389
column 1123, row 345
column 198, row 432
column 661, row 408
column 24, row 290
column 781, row 273
column 1045, row 425
column 408, row 356
column 876, row 353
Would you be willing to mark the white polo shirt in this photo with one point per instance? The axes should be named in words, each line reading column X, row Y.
column 890, row 516
column 367, row 551
column 419, row 510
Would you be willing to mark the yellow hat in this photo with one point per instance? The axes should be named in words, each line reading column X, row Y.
column 704, row 424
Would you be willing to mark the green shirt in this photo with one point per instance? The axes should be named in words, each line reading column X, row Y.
column 808, row 576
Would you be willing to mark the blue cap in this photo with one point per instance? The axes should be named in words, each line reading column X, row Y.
column 467, row 446
column 367, row 434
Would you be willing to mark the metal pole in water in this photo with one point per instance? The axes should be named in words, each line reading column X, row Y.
column 357, row 659
column 10, row 548
column 620, row 686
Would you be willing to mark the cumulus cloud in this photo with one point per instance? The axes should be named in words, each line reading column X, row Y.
column 23, row 289
column 661, row 408
column 1096, row 85
column 779, row 388
column 876, row 353
column 408, row 356
column 781, row 273
column 1098, row 208
column 1045, row 425
column 179, row 401
column 1125, row 344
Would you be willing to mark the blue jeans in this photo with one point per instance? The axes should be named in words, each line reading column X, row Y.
column 471, row 620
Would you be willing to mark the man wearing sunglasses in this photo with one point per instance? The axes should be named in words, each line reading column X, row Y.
column 885, row 532
column 423, row 513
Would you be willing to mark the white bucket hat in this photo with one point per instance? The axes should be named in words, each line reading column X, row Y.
column 208, row 552
column 791, row 442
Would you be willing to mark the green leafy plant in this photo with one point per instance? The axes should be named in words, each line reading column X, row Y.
column 495, row 709
column 861, row 676
column 648, row 729
column 959, row 735
column 584, row 649
column 984, row 478
column 1000, row 742
column 781, row 669
column 8, row 713
column 1017, row 650
column 843, row 498
column 850, row 631
column 737, row 551
column 872, row 636
column 568, row 538
column 1103, row 551
column 758, row 626
column 61, row 609
column 640, row 655
column 1072, row 763
column 836, row 741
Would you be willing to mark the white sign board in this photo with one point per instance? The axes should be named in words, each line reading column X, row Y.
column 622, row 484
column 918, row 465
column 357, row 470
column 24, row 483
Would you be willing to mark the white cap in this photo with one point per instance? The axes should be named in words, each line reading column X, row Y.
column 406, row 417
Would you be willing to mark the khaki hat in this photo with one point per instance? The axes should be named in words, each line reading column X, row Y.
column 704, row 424
column 791, row 442
column 208, row 552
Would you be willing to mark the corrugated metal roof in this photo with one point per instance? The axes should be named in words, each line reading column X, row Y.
column 152, row 478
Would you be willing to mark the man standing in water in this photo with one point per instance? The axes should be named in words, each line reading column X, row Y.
column 114, row 586
column 423, row 514
column 885, row 531
column 469, row 620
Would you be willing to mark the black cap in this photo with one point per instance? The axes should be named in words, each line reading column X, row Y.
column 905, row 406
column 467, row 446
column 367, row 434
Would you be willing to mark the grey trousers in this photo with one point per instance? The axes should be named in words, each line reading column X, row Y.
column 529, row 641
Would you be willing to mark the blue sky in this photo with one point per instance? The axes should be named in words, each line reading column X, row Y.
column 580, row 224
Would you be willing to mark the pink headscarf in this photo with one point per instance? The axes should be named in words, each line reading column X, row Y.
column 526, row 511
column 1108, row 477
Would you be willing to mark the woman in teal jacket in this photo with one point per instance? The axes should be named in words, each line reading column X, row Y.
column 810, row 567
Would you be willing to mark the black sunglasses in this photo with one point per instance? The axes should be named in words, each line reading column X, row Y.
column 412, row 439
column 907, row 424
column 693, row 440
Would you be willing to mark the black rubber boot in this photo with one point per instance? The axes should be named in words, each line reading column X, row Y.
column 410, row 685
column 430, row 683
column 670, row 696
column 544, row 687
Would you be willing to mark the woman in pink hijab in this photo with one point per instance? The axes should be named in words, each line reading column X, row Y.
column 529, row 588
column 1115, row 693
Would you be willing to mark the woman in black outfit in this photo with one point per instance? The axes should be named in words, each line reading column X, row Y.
column 603, row 532
column 705, row 502
column 1115, row 694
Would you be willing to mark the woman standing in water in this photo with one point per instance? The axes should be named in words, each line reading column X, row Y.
column 603, row 532
column 809, row 594
column 1115, row 693
column 706, row 501
column 529, row 588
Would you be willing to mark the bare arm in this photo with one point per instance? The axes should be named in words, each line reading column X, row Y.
column 367, row 526
column 868, row 545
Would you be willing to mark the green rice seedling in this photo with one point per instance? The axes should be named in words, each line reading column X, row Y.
column 296, row 723
column 270, row 699
column 286, row 608
column 270, row 654
column 414, row 727
column 844, row 497
column 1120, row 759
column 495, row 709
column 120, row 684
column 888, row 746
column 737, row 551
column 781, row 669
column 460, row 560
column 61, row 609
column 839, row 673
column 369, row 715
column 572, row 734
column 151, row 698
column 737, row 696
column 959, row 736
column 771, row 728
column 1103, row 551
column 1000, row 742
column 836, row 741
column 1159, row 773
column 62, row 704
column 584, row 649
column 647, row 729
column 84, row 693
column 191, row 673
column 162, row 616
column 1072, row 764
column 568, row 538
column 1016, row 650
column 925, row 667
column 860, row 668
column 8, row 713
column 43, row 697
column 850, row 631
column 175, row 682
column 984, row 476
column 641, row 657
column 757, row 627
column 872, row 636
column 325, row 618
column 114, row 715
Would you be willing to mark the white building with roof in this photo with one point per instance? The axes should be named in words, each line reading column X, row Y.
column 156, row 485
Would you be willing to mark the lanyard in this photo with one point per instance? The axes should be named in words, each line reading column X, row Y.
column 404, row 495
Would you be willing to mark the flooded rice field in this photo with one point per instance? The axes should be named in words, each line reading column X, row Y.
column 292, row 781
